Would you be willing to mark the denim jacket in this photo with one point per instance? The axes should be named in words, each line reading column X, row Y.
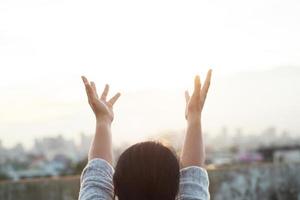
column 96, row 182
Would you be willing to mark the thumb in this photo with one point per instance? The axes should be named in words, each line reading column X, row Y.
column 187, row 97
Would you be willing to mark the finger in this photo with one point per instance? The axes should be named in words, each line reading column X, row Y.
column 94, row 89
column 105, row 92
column 113, row 100
column 85, row 80
column 187, row 96
column 197, row 86
column 206, row 85
column 89, row 90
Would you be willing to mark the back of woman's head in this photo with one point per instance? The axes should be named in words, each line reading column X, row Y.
column 147, row 171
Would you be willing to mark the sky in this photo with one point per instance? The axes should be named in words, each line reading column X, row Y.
column 147, row 50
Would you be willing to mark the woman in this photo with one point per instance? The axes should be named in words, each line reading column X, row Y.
column 148, row 170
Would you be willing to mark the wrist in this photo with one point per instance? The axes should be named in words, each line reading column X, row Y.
column 194, row 120
column 103, row 122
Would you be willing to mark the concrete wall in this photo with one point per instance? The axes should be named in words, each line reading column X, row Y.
column 41, row 189
column 256, row 182
column 263, row 182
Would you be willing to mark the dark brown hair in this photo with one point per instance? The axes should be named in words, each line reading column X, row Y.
column 147, row 171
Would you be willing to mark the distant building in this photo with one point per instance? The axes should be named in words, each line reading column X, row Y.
column 281, row 153
column 52, row 146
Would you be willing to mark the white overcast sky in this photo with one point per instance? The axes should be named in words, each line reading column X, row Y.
column 135, row 45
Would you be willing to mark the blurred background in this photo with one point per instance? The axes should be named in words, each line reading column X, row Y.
column 150, row 52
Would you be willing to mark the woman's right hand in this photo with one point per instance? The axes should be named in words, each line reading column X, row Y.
column 195, row 103
column 102, row 108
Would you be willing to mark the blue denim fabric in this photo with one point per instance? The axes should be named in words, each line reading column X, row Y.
column 96, row 182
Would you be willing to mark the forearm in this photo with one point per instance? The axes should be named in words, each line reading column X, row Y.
column 101, row 146
column 193, row 152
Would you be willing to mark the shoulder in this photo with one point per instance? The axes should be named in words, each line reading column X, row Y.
column 194, row 183
column 96, row 180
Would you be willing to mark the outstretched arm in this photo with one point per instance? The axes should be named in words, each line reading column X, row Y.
column 96, row 179
column 193, row 152
column 101, row 146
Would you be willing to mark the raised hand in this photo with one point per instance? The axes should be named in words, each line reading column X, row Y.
column 193, row 151
column 102, row 108
column 195, row 103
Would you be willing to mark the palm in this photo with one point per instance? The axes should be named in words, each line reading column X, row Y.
column 102, row 108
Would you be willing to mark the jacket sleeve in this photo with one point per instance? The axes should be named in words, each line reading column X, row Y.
column 193, row 184
column 96, row 181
